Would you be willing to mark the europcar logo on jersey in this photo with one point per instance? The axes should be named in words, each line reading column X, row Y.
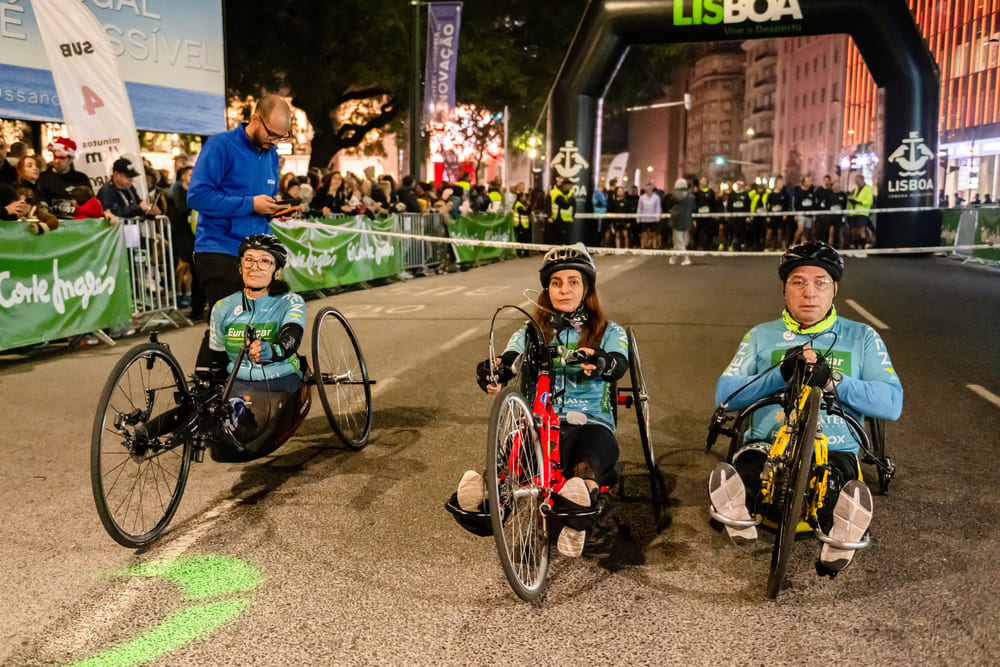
column 711, row 12
column 911, row 157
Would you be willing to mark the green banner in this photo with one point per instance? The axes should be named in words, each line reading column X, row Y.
column 70, row 281
column 988, row 231
column 949, row 225
column 320, row 258
column 485, row 227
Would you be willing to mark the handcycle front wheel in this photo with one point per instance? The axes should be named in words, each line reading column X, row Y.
column 514, row 487
column 342, row 377
column 138, row 465
column 793, row 491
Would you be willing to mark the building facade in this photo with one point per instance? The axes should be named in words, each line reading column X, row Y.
column 757, row 147
column 715, row 124
column 964, row 38
column 811, row 75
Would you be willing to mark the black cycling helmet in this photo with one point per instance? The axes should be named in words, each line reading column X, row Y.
column 567, row 257
column 814, row 253
column 265, row 242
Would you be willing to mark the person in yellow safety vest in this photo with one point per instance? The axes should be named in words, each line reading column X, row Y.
column 563, row 209
column 758, row 201
column 496, row 196
column 859, row 202
column 522, row 219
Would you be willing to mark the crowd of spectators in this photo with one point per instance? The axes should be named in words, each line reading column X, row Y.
column 763, row 216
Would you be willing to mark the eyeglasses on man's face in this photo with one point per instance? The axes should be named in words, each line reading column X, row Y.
column 800, row 284
column 271, row 135
column 262, row 263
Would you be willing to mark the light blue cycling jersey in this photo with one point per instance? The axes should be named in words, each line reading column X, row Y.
column 267, row 314
column 869, row 387
column 592, row 397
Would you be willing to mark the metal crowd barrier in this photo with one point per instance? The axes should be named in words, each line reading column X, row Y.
column 152, row 271
column 424, row 256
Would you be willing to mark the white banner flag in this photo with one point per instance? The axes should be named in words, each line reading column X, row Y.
column 92, row 94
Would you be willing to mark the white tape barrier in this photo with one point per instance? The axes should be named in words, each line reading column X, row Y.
column 597, row 250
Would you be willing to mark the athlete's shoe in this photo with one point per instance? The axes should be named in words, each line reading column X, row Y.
column 686, row 261
column 722, row 246
column 673, row 259
column 471, row 491
column 851, row 516
column 571, row 541
column 729, row 498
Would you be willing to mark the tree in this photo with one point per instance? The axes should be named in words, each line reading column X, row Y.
column 336, row 52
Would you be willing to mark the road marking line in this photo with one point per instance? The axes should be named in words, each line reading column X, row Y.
column 868, row 316
column 985, row 393
column 384, row 384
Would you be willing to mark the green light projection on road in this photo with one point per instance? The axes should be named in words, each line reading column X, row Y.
column 199, row 577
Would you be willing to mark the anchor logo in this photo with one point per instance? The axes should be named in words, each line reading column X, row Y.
column 912, row 155
column 569, row 162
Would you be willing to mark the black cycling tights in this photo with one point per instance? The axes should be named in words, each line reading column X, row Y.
column 593, row 443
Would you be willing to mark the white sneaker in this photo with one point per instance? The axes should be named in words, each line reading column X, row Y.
column 571, row 541
column 686, row 261
column 728, row 495
column 471, row 491
column 673, row 259
column 851, row 516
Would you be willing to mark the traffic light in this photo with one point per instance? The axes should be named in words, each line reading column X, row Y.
column 720, row 160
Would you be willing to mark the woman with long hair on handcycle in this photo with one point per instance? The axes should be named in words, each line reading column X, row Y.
column 570, row 314
column 271, row 318
column 853, row 366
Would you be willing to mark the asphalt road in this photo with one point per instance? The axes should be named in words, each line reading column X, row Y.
column 320, row 556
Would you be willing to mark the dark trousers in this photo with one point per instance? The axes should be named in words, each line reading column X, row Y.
column 843, row 468
column 219, row 275
column 593, row 443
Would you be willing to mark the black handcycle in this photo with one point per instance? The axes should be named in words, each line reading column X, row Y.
column 152, row 422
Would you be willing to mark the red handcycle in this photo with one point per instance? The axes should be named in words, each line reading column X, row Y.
column 523, row 472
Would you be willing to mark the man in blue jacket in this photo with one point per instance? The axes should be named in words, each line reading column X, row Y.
column 855, row 366
column 232, row 187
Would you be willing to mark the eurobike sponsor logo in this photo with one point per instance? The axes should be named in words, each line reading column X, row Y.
column 84, row 287
column 713, row 12
column 911, row 158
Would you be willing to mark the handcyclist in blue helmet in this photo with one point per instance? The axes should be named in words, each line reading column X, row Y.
column 569, row 312
column 854, row 364
column 272, row 318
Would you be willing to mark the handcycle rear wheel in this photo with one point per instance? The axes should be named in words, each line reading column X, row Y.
column 883, row 462
column 342, row 377
column 640, row 399
column 792, row 493
column 138, row 470
column 514, row 487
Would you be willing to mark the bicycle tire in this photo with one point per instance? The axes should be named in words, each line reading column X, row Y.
column 342, row 378
column 883, row 462
column 802, row 447
column 514, row 463
column 136, row 473
column 640, row 400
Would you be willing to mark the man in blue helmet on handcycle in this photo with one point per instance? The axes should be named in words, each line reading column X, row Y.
column 852, row 364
